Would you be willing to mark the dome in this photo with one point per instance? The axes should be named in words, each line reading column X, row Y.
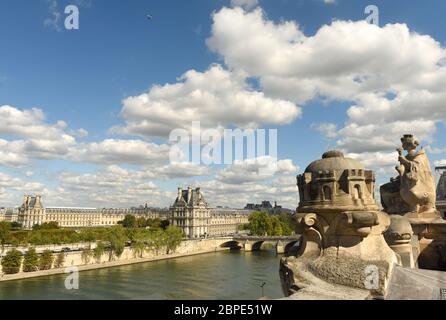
column 334, row 160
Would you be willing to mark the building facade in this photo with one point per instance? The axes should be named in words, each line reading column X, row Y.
column 191, row 213
column 225, row 222
column 33, row 212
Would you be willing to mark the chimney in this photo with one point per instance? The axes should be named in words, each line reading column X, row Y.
column 179, row 193
column 189, row 194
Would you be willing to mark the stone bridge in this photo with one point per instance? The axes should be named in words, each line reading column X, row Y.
column 252, row 243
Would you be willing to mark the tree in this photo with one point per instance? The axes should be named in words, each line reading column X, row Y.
column 165, row 224
column 129, row 222
column 174, row 235
column 277, row 229
column 98, row 251
column 156, row 240
column 117, row 239
column 5, row 233
column 86, row 256
column 60, row 260
column 11, row 262
column 52, row 225
column 46, row 260
column 260, row 223
column 138, row 247
column 31, row 261
column 16, row 225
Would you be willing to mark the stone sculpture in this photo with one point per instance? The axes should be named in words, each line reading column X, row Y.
column 410, row 200
column 412, row 193
column 342, row 234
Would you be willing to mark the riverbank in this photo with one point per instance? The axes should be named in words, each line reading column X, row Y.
column 74, row 259
column 222, row 275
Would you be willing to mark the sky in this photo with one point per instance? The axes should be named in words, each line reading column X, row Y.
column 85, row 115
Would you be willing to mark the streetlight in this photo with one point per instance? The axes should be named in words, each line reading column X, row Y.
column 261, row 286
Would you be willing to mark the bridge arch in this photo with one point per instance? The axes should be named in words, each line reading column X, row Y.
column 232, row 244
column 257, row 245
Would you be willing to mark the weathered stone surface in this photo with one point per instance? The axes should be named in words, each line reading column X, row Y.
column 416, row 284
column 342, row 232
column 412, row 193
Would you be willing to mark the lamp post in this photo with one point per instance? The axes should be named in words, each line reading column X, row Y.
column 261, row 286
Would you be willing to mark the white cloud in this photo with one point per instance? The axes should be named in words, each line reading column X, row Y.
column 113, row 186
column 328, row 130
column 181, row 170
column 216, row 97
column 54, row 21
column 114, row 151
column 257, row 169
column 393, row 77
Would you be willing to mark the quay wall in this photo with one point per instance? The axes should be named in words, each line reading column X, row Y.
column 74, row 259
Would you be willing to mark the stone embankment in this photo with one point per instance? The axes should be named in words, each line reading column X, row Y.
column 75, row 259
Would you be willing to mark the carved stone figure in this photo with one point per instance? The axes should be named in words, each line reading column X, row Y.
column 342, row 234
column 412, row 197
column 412, row 193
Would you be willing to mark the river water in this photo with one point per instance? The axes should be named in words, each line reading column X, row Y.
column 217, row 276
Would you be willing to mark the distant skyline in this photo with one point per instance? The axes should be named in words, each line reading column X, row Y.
column 85, row 114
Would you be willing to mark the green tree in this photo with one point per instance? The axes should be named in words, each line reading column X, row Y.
column 129, row 222
column 173, row 237
column 16, row 225
column 98, row 251
column 60, row 260
column 31, row 261
column 164, row 224
column 157, row 240
column 277, row 229
column 117, row 239
column 11, row 262
column 260, row 223
column 5, row 233
column 46, row 260
column 46, row 226
column 86, row 256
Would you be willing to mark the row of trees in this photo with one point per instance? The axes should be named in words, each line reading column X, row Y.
column 131, row 221
column 112, row 240
column 262, row 223
column 12, row 261
column 50, row 233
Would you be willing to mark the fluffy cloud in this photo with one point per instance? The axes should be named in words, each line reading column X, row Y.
column 258, row 169
column 216, row 97
column 31, row 137
column 181, row 170
column 393, row 77
column 112, row 187
column 114, row 151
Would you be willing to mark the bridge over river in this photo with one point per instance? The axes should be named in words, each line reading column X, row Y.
column 252, row 243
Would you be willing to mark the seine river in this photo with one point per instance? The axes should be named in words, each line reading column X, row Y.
column 217, row 276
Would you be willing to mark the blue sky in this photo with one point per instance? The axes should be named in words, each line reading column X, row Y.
column 81, row 77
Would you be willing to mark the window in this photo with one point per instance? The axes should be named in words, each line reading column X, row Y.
column 326, row 193
column 357, row 192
